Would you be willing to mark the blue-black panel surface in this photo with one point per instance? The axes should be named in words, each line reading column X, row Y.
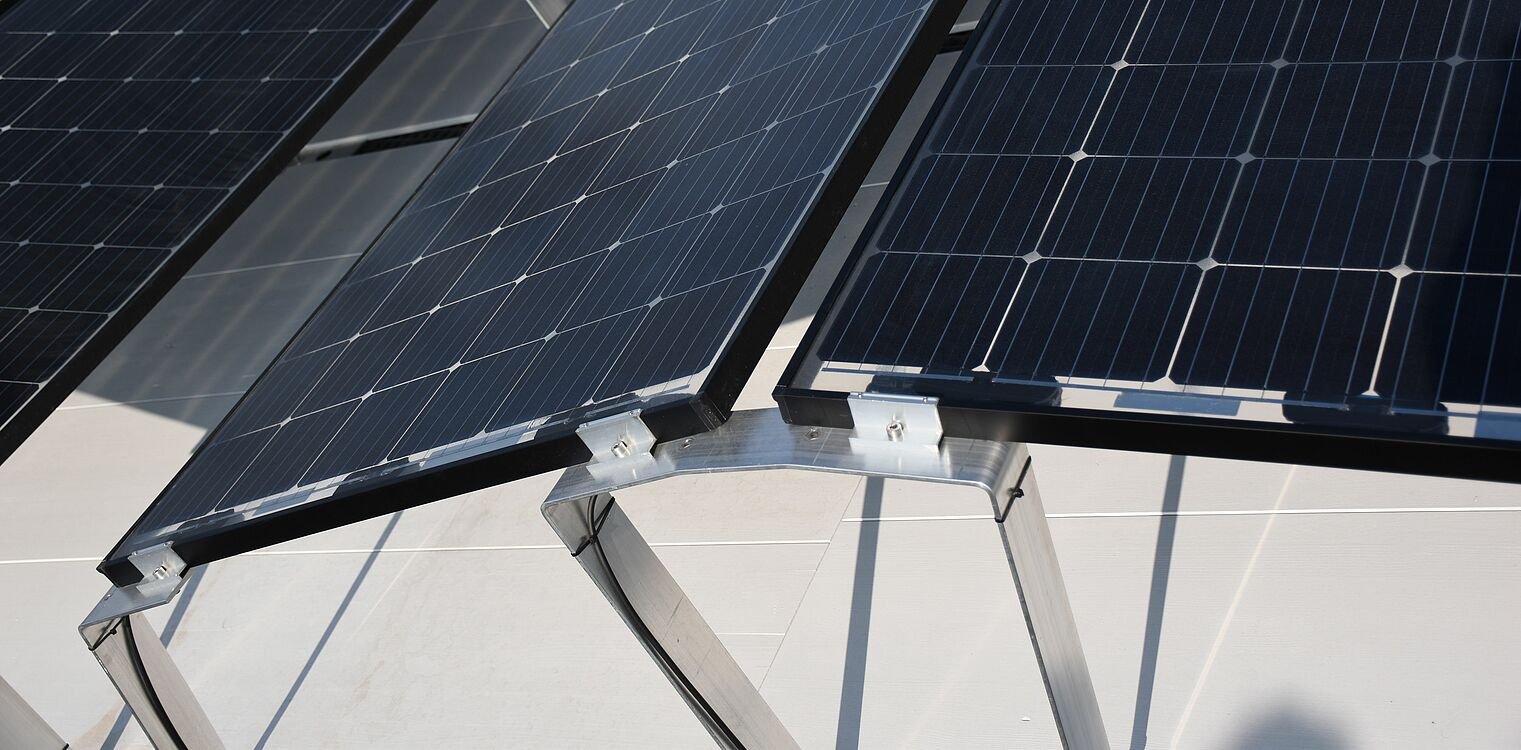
column 1302, row 215
column 128, row 132
column 594, row 243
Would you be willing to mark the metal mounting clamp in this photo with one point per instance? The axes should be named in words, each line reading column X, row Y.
column 909, row 420
column 621, row 442
column 163, row 577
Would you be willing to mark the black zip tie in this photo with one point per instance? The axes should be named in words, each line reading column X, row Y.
column 1015, row 493
column 596, row 528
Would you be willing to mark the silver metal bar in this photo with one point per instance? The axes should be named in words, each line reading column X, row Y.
column 1048, row 614
column 655, row 608
column 21, row 728
column 346, row 146
column 129, row 650
column 662, row 616
column 964, row 27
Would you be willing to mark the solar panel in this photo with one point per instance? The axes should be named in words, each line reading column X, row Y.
column 622, row 228
column 130, row 135
column 1272, row 230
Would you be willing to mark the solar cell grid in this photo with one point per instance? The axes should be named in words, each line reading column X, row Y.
column 593, row 244
column 1283, row 212
column 128, row 133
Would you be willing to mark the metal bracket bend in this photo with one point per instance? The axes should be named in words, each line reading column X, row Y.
column 128, row 648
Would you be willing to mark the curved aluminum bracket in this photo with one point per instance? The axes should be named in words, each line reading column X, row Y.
column 129, row 650
column 617, row 558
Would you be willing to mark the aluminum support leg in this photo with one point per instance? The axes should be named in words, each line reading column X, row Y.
column 674, row 633
column 129, row 650
column 591, row 525
column 20, row 727
column 1048, row 614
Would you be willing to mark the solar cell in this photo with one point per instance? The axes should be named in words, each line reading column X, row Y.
column 1275, row 230
column 130, row 135
column 623, row 227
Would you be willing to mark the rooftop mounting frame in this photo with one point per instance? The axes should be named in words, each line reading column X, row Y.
column 894, row 438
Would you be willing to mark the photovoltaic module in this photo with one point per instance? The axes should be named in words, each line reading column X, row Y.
column 622, row 228
column 1276, row 230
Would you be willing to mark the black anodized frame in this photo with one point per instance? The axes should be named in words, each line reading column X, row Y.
column 985, row 417
column 384, row 490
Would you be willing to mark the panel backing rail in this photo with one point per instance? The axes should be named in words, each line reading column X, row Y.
column 893, row 439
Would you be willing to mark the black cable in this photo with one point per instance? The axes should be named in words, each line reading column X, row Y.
column 594, row 525
column 147, row 684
